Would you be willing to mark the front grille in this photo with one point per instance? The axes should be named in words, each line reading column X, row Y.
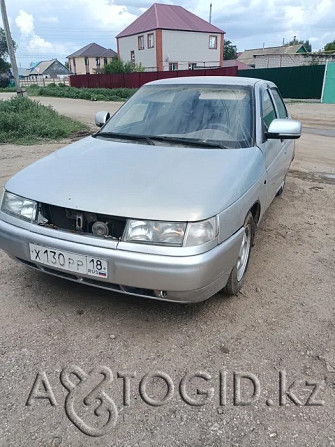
column 137, row 291
column 81, row 222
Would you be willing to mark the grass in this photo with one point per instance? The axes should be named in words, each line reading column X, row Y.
column 23, row 121
column 91, row 94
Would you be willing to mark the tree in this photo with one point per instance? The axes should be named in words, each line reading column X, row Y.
column 229, row 51
column 4, row 66
column 305, row 43
column 117, row 65
column 330, row 46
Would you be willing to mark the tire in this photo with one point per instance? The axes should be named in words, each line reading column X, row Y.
column 237, row 275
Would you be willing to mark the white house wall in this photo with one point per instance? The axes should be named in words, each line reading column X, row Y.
column 187, row 47
column 182, row 47
column 147, row 56
column 290, row 60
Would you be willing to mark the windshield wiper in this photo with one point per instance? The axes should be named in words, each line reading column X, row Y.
column 124, row 136
column 149, row 139
column 188, row 141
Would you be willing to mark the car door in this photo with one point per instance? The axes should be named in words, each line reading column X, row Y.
column 282, row 113
column 273, row 149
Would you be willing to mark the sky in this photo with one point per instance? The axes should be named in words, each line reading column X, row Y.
column 54, row 28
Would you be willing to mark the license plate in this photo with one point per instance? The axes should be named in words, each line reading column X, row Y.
column 71, row 262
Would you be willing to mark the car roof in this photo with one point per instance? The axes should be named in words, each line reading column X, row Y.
column 208, row 80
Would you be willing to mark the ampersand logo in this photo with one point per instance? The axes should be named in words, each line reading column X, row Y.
column 95, row 405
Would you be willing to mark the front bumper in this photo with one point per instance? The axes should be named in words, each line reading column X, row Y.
column 183, row 279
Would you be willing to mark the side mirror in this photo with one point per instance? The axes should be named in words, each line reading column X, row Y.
column 101, row 118
column 284, row 129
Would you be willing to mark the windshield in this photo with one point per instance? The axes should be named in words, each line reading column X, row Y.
column 220, row 115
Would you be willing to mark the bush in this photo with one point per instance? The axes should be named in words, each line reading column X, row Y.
column 8, row 89
column 117, row 65
column 23, row 121
column 97, row 94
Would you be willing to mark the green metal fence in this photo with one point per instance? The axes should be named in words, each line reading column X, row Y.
column 329, row 84
column 303, row 82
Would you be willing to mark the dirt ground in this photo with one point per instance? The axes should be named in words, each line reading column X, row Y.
column 274, row 341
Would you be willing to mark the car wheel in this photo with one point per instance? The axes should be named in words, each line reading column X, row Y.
column 236, row 278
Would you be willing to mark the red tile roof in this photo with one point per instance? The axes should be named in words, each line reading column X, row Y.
column 171, row 17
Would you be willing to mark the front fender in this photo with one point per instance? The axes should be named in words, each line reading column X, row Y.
column 233, row 217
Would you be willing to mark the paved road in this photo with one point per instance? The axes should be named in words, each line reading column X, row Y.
column 323, row 132
column 58, row 340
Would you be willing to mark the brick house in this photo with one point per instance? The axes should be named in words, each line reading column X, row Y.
column 271, row 57
column 168, row 37
column 90, row 59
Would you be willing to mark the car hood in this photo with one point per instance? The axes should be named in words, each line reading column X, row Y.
column 140, row 181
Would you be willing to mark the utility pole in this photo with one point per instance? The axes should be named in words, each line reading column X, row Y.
column 10, row 48
column 210, row 13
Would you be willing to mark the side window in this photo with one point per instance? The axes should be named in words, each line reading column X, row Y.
column 269, row 113
column 282, row 112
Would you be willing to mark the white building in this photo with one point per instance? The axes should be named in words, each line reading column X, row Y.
column 271, row 57
column 292, row 60
column 168, row 37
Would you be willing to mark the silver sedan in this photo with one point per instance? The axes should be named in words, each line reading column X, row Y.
column 164, row 200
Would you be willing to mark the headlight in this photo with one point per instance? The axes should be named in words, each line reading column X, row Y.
column 201, row 232
column 19, row 206
column 170, row 233
column 155, row 232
